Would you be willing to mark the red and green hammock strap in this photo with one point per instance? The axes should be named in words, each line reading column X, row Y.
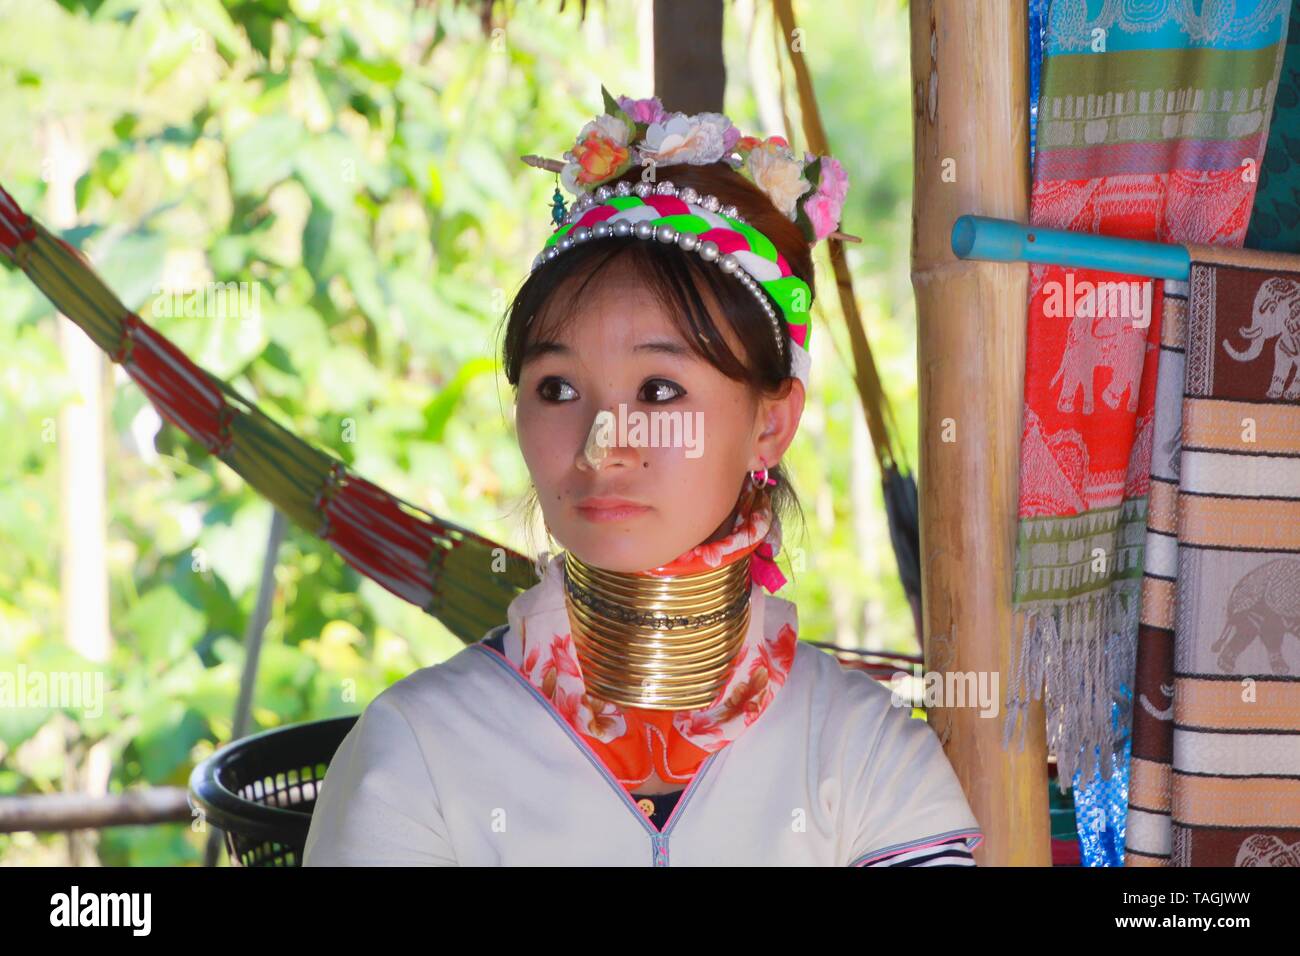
column 463, row 579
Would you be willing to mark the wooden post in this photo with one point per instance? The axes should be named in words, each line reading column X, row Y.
column 971, row 156
column 689, row 72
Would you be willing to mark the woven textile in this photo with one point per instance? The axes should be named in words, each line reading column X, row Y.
column 1148, row 116
column 1216, row 731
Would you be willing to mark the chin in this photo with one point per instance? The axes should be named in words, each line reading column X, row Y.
column 622, row 553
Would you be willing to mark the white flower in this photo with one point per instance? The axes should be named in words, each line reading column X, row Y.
column 777, row 172
column 685, row 139
column 606, row 127
column 569, row 176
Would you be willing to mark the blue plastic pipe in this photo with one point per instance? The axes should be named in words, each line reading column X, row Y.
column 1001, row 240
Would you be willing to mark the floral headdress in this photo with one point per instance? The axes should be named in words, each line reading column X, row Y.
column 809, row 191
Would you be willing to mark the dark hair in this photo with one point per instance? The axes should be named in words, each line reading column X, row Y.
column 678, row 278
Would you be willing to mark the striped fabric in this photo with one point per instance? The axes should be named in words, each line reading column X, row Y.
column 1147, row 826
column 1216, row 734
column 953, row 851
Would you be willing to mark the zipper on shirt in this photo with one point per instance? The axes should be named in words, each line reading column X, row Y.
column 659, row 844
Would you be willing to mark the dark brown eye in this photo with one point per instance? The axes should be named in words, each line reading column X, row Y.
column 656, row 387
column 546, row 389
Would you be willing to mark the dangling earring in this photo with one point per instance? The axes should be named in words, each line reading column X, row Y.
column 760, row 479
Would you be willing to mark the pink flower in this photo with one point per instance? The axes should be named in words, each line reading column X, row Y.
column 643, row 111
column 730, row 138
column 823, row 213
column 834, row 181
column 778, row 655
column 825, row 206
column 530, row 659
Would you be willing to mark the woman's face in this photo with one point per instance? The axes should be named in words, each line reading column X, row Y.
column 621, row 349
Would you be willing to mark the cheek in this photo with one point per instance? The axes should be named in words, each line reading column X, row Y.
column 540, row 439
column 546, row 438
column 728, row 426
column 710, row 468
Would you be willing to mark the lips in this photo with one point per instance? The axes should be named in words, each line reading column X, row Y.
column 611, row 509
column 609, row 503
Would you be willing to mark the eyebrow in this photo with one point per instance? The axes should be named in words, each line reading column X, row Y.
column 657, row 346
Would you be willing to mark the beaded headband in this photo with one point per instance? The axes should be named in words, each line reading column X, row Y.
column 810, row 191
column 699, row 224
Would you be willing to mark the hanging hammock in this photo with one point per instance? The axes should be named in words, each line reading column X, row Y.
column 463, row 579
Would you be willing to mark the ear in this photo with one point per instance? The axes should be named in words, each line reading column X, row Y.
column 776, row 422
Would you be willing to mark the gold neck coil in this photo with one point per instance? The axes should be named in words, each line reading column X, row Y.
column 658, row 643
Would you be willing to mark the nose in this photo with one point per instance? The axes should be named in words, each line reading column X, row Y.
column 601, row 449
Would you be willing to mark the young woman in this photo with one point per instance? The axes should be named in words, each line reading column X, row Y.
column 647, row 703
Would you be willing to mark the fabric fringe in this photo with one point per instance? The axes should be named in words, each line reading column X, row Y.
column 1063, row 654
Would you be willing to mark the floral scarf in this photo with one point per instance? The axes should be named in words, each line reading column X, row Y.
column 633, row 742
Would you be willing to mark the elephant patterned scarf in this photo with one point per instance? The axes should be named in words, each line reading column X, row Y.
column 1215, row 772
column 1136, row 139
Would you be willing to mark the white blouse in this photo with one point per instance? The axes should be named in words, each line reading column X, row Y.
column 466, row 763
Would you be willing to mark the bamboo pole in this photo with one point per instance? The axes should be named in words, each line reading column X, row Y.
column 66, row 812
column 970, row 131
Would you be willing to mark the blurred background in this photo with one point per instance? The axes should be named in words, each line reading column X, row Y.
column 356, row 166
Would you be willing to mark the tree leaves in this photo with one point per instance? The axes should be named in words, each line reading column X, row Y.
column 264, row 154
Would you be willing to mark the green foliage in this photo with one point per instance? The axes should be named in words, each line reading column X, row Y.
column 360, row 171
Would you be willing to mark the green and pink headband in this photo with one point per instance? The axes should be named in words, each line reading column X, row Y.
column 698, row 224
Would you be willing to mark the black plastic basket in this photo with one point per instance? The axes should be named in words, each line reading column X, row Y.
column 260, row 791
